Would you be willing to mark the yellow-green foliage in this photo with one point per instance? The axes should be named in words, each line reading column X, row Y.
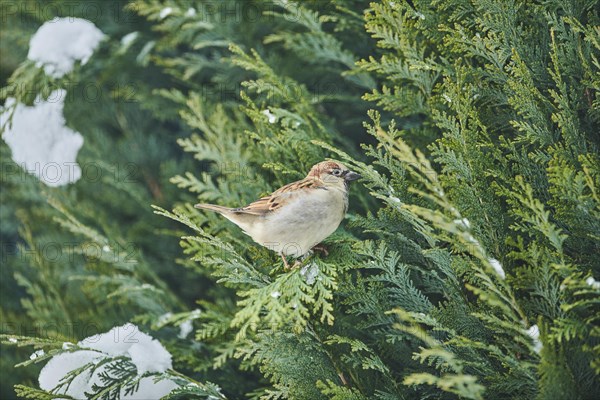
column 474, row 124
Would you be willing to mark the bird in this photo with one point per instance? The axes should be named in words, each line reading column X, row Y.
column 295, row 218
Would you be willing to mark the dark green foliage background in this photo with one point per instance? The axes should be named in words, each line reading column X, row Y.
column 475, row 125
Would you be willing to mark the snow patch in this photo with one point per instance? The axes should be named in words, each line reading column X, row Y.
column 463, row 223
column 497, row 267
column 164, row 318
column 39, row 140
column 145, row 352
column 592, row 282
column 534, row 334
column 117, row 341
column 146, row 390
column 37, row 354
column 271, row 117
column 60, row 42
column 165, row 12
column 60, row 365
column 128, row 39
column 150, row 356
column 471, row 239
column 394, row 199
column 150, row 390
column 310, row 273
column 185, row 328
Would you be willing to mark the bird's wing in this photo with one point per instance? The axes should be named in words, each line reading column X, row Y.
column 278, row 198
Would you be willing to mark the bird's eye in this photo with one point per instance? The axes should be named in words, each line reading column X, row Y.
column 336, row 172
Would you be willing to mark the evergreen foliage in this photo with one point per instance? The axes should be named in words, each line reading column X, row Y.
column 466, row 268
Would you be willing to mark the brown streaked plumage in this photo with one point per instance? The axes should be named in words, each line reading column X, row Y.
column 298, row 216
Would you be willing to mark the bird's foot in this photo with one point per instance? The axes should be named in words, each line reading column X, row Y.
column 286, row 266
column 321, row 248
column 299, row 261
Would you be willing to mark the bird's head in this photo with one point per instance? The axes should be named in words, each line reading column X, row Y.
column 333, row 172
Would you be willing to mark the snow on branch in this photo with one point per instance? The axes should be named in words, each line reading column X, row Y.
column 60, row 42
column 39, row 140
column 119, row 361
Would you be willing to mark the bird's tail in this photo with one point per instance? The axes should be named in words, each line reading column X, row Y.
column 213, row 207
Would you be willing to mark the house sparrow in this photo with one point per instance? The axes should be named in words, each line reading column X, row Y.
column 295, row 218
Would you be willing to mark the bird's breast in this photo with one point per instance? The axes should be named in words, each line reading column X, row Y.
column 301, row 223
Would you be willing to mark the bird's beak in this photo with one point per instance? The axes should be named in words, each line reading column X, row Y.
column 351, row 176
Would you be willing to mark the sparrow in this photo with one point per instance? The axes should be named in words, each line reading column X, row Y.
column 298, row 216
